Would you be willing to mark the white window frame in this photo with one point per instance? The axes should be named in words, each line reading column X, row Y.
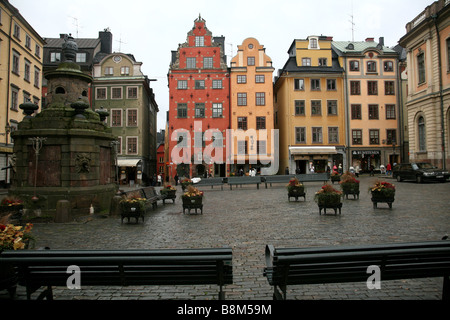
column 137, row 144
column 96, row 93
column 113, row 125
column 121, row 93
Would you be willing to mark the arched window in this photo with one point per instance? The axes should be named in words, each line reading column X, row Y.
column 60, row 90
column 421, row 134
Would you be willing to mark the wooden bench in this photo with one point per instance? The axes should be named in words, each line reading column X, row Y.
column 324, row 177
column 244, row 180
column 340, row 264
column 153, row 196
column 48, row 268
column 277, row 179
column 210, row 182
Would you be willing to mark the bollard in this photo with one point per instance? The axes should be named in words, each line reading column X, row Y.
column 62, row 211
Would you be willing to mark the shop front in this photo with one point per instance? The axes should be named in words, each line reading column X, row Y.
column 130, row 171
column 314, row 159
column 365, row 160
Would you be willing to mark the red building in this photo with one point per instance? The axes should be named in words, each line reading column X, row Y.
column 199, row 107
column 160, row 163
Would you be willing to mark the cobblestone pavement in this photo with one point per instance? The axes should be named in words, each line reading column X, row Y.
column 247, row 219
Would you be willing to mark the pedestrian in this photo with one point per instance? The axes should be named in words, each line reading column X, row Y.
column 159, row 180
column 357, row 170
column 176, row 179
column 312, row 169
column 340, row 168
column 388, row 169
column 371, row 170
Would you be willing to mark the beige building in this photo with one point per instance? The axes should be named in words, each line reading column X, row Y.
column 21, row 50
column 427, row 44
column 252, row 112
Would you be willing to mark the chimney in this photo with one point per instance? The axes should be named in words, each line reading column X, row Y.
column 370, row 39
column 105, row 41
column 381, row 41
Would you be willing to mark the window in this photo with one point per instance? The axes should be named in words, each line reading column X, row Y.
column 448, row 54
column 37, row 76
column 14, row 99
column 260, row 123
column 132, row 93
column 207, row 63
column 355, row 88
column 374, row 136
column 217, row 110
column 421, row 134
column 306, row 62
column 109, row 71
column 242, row 147
column 316, row 134
column 116, row 117
column 371, row 66
column 116, row 93
column 331, row 84
column 241, row 79
column 372, row 88
column 299, row 84
column 242, row 98
column 322, row 62
column 316, row 107
column 182, row 139
column 313, row 43
column 391, row 136
column 132, row 117
column 199, row 41
column 242, row 123
column 357, row 136
column 132, row 145
column 300, row 135
column 37, row 51
column 191, row 63
column 260, row 98
column 354, row 65
column 81, row 57
column 299, row 107
column 16, row 32
column 356, row 111
column 421, row 67
column 182, row 110
column 388, row 66
column 182, row 84
column 315, row 84
column 250, row 61
column 261, row 147
column 373, row 111
column 390, row 111
column 27, row 41
column 199, row 84
column 199, row 110
column 333, row 135
column 55, row 56
column 124, row 71
column 100, row 93
column 27, row 70
column 260, row 78
column 332, row 107
column 217, row 84
column 389, row 88
column 15, row 63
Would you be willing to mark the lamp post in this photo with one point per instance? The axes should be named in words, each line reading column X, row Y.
column 37, row 146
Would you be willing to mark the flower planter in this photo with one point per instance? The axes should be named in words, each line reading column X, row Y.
column 329, row 201
column 335, row 177
column 385, row 196
column 16, row 212
column 350, row 188
column 169, row 194
column 296, row 192
column 133, row 209
column 192, row 202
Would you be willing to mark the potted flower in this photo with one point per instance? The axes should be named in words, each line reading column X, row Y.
column 12, row 237
column 382, row 191
column 133, row 206
column 349, row 185
column 335, row 177
column 328, row 197
column 169, row 192
column 192, row 199
column 185, row 183
column 295, row 189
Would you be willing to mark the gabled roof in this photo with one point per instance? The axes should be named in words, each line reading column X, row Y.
column 358, row 47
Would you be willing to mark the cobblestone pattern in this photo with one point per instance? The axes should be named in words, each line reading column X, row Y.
column 247, row 219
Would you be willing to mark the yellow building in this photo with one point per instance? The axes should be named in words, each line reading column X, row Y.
column 252, row 111
column 21, row 50
column 309, row 106
column 372, row 102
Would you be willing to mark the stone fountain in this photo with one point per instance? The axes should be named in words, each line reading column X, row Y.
column 65, row 151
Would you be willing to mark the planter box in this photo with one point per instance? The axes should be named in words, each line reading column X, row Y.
column 132, row 210
column 296, row 192
column 350, row 188
column 380, row 196
column 329, row 201
column 192, row 203
column 16, row 212
column 170, row 194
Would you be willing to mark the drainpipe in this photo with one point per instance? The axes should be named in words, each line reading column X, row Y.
column 441, row 96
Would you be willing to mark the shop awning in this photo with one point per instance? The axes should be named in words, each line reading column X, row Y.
column 312, row 150
column 127, row 162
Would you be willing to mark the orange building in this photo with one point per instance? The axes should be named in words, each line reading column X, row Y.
column 252, row 112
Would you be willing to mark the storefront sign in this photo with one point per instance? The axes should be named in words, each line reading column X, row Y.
column 369, row 152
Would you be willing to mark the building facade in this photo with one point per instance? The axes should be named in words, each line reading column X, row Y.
column 427, row 43
column 120, row 87
column 199, row 108
column 309, row 105
column 373, row 135
column 252, row 111
column 21, row 49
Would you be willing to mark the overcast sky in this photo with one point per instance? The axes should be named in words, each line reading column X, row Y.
column 150, row 29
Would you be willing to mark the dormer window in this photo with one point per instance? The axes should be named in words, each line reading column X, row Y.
column 313, row 43
column 199, row 41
